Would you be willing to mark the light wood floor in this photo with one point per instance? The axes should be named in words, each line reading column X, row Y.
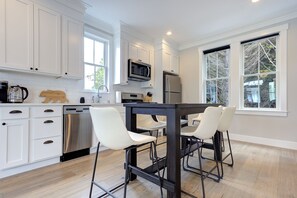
column 259, row 171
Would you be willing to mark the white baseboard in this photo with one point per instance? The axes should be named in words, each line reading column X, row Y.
column 264, row 141
column 20, row 169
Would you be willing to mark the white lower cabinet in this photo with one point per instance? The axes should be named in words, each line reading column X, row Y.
column 14, row 143
column 29, row 134
column 14, row 136
column 45, row 132
column 45, row 148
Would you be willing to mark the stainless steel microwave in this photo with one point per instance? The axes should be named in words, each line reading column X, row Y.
column 138, row 70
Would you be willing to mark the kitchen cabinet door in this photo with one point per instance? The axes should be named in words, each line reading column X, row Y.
column 139, row 53
column 174, row 63
column 121, row 62
column 14, row 143
column 47, row 41
column 166, row 61
column 16, row 34
column 72, row 39
column 170, row 62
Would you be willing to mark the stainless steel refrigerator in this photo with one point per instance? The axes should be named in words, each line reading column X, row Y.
column 172, row 93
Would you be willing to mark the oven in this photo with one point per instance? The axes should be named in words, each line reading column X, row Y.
column 131, row 97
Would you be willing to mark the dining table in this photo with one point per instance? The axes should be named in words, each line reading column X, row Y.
column 173, row 113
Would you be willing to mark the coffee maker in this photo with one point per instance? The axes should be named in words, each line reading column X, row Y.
column 3, row 91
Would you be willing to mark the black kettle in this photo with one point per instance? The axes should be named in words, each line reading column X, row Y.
column 17, row 94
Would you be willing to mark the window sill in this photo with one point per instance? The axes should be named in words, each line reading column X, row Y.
column 262, row 112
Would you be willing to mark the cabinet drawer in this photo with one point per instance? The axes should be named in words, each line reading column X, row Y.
column 46, row 111
column 46, row 127
column 46, row 148
column 14, row 112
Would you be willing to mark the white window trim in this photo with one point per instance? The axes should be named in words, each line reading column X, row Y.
column 235, row 90
column 94, row 33
column 202, row 70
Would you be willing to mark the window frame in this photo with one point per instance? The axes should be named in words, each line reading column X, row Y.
column 97, row 35
column 235, row 70
column 205, row 79
column 242, row 75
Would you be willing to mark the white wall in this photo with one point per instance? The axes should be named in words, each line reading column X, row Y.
column 269, row 130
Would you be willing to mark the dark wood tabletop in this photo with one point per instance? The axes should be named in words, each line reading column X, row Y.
column 173, row 113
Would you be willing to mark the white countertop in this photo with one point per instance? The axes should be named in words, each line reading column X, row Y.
column 57, row 104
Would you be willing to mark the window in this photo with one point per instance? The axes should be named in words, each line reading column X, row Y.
column 216, row 67
column 260, row 72
column 251, row 75
column 95, row 61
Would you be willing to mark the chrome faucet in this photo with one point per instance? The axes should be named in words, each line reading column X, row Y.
column 98, row 93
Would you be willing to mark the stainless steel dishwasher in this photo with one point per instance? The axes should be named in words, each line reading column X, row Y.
column 77, row 131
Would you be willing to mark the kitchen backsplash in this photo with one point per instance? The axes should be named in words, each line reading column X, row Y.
column 73, row 88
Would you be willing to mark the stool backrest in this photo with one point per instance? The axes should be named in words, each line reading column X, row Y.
column 109, row 128
column 226, row 118
column 209, row 124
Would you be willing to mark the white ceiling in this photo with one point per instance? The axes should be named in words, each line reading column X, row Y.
column 189, row 20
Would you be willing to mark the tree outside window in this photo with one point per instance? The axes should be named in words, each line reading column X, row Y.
column 95, row 64
column 259, row 73
column 217, row 76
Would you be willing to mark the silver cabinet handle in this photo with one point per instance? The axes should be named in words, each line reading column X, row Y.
column 48, row 142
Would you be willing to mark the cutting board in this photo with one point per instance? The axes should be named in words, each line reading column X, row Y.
column 54, row 96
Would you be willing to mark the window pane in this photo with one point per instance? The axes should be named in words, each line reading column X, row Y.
column 100, row 77
column 99, row 53
column 223, row 91
column 251, row 91
column 268, row 55
column 250, row 52
column 89, row 76
column 268, row 91
column 211, row 65
column 223, row 63
column 88, row 50
column 211, row 91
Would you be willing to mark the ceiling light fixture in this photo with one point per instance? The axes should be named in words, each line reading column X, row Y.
column 169, row 33
column 255, row 1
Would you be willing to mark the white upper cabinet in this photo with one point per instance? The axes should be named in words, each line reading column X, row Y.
column 121, row 61
column 139, row 53
column 31, row 38
column 72, row 46
column 47, row 40
column 170, row 61
column 16, row 34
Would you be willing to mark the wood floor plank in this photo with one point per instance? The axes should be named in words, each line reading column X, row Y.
column 258, row 172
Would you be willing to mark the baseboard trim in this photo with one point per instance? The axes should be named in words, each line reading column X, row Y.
column 28, row 167
column 264, row 141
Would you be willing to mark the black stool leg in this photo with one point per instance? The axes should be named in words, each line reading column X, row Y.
column 201, row 171
column 127, row 172
column 216, row 160
column 94, row 170
column 158, row 167
column 232, row 161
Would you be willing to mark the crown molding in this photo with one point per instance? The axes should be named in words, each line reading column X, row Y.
column 78, row 5
column 238, row 31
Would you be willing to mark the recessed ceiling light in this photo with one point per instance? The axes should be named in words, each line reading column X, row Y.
column 255, row 1
column 168, row 33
